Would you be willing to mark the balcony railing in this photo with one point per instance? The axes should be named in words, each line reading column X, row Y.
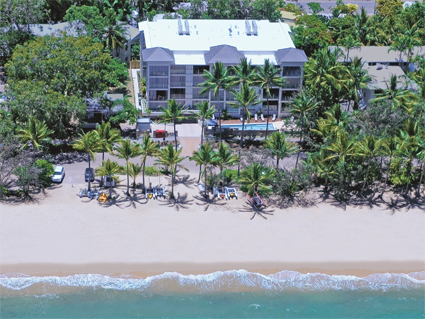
column 155, row 106
column 177, row 96
column 197, row 80
column 173, row 84
column 157, row 98
column 158, row 86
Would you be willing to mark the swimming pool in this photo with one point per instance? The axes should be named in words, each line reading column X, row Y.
column 250, row 127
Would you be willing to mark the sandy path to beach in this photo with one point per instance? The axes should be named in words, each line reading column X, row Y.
column 63, row 234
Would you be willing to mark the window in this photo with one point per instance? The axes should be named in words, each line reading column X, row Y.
column 158, row 83
column 197, row 94
column 178, row 80
column 158, row 71
column 199, row 69
column 292, row 83
column 177, row 93
column 178, row 69
column 157, row 95
column 291, row 71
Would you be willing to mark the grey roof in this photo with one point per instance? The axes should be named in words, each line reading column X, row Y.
column 225, row 54
column 290, row 55
column 74, row 29
column 157, row 55
column 381, row 77
column 130, row 33
column 375, row 54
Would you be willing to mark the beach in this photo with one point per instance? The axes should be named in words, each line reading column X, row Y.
column 65, row 235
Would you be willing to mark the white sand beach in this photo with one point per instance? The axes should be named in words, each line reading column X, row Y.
column 63, row 234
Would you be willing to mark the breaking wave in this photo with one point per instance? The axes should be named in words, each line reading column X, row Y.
column 230, row 281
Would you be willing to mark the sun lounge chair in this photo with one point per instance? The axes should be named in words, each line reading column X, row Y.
column 274, row 118
column 231, row 193
column 262, row 118
column 256, row 201
column 219, row 193
column 255, row 117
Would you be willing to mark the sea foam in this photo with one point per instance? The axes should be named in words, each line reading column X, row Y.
column 232, row 280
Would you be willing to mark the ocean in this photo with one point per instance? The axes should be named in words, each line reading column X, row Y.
column 229, row 294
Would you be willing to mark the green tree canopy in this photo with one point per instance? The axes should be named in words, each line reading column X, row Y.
column 67, row 65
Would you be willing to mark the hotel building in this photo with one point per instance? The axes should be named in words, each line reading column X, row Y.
column 175, row 53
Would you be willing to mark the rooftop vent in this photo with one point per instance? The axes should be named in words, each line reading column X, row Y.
column 254, row 28
column 180, row 27
column 186, row 25
column 247, row 27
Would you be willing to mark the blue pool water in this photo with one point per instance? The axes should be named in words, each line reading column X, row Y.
column 230, row 294
column 250, row 127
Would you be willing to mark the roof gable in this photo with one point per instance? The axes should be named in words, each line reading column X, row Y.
column 226, row 54
column 290, row 55
column 157, row 55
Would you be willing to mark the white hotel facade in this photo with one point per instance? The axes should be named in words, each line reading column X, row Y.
column 175, row 53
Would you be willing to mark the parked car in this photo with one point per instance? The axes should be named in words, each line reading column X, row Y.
column 109, row 181
column 59, row 174
column 89, row 175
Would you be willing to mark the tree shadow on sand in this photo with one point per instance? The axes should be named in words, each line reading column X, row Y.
column 186, row 181
column 178, row 202
column 121, row 200
column 372, row 199
column 207, row 201
column 249, row 208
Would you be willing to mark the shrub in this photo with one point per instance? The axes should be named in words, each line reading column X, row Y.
column 152, row 171
column 47, row 171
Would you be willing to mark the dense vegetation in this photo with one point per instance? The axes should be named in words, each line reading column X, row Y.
column 341, row 151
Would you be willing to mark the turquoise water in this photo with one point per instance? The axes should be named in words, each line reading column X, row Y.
column 232, row 294
column 250, row 127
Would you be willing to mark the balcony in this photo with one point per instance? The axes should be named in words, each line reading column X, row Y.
column 157, row 98
column 292, row 84
column 156, row 106
column 158, row 86
column 198, row 79
column 179, row 84
column 177, row 96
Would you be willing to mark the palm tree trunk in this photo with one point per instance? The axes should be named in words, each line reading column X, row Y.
column 301, row 137
column 128, row 182
column 268, row 115
column 172, row 184
column 144, row 165
column 387, row 177
column 367, row 175
column 110, row 190
column 200, row 169
column 205, row 181
column 277, row 162
column 202, row 132
column 243, row 127
column 175, row 136
column 420, row 180
column 103, row 156
column 219, row 123
column 89, row 177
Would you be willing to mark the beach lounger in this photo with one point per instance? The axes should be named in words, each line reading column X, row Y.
column 274, row 118
column 255, row 117
column 201, row 187
column 262, row 118
column 160, row 191
column 150, row 193
column 256, row 201
column 231, row 192
column 219, row 193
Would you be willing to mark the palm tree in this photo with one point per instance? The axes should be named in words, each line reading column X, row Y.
column 420, row 141
column 35, row 132
column 279, row 146
column 111, row 169
column 149, row 148
column 342, row 148
column 389, row 148
column 358, row 79
column 134, row 170
column 172, row 114
column 361, row 24
column 205, row 112
column 368, row 147
column 246, row 97
column 113, row 33
column 223, row 158
column 336, row 120
column 203, row 157
column 244, row 73
column 107, row 137
column 266, row 77
column 126, row 150
column 349, row 42
column 218, row 79
column 88, row 143
column 255, row 178
column 171, row 159
column 406, row 41
column 301, row 105
column 397, row 97
column 408, row 149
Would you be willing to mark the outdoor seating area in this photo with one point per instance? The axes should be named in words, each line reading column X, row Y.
column 155, row 192
column 256, row 201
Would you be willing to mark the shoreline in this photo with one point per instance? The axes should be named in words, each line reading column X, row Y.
column 140, row 270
